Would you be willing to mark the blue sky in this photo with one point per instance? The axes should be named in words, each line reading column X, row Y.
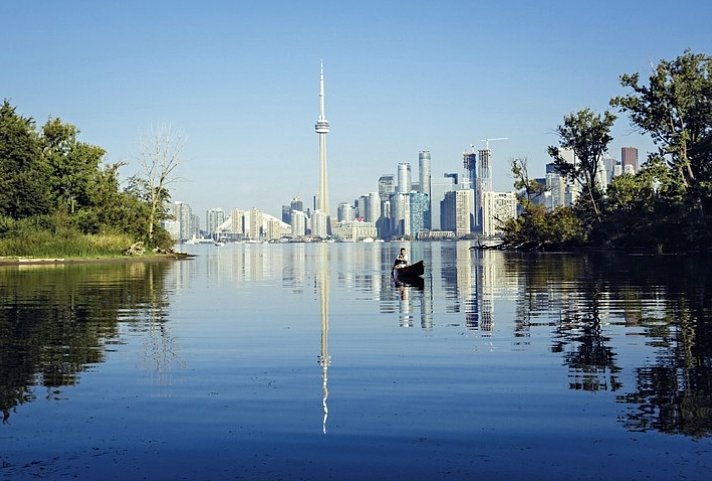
column 240, row 80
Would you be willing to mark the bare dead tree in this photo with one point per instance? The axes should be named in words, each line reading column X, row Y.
column 161, row 153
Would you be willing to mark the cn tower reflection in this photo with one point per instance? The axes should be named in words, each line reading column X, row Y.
column 322, row 284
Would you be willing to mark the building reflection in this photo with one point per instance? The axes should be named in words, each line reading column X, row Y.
column 322, row 284
column 582, row 306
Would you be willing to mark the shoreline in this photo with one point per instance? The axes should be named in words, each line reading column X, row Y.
column 24, row 261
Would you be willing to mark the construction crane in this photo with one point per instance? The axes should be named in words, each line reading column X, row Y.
column 487, row 141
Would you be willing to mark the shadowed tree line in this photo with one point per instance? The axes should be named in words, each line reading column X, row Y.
column 56, row 322
column 667, row 205
column 53, row 187
column 672, row 393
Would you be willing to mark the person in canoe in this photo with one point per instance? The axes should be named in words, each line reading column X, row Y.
column 401, row 260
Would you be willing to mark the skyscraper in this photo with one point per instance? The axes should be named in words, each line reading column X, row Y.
column 469, row 161
column 424, row 171
column 629, row 157
column 439, row 186
column 213, row 219
column 425, row 184
column 322, row 128
column 404, row 178
column 386, row 186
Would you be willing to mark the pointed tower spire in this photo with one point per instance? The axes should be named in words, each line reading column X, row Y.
column 322, row 128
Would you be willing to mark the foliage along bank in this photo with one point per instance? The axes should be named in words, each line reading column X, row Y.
column 58, row 198
column 667, row 205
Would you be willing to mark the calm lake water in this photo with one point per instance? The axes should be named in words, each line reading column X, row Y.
column 294, row 361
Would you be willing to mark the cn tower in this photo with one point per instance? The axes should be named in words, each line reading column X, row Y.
column 322, row 128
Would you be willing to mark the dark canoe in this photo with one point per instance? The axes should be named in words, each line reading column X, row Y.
column 411, row 270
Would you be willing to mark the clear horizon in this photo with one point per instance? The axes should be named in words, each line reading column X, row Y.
column 241, row 82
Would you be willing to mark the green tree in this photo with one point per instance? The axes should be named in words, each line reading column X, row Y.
column 23, row 178
column 675, row 108
column 588, row 136
column 536, row 227
column 73, row 165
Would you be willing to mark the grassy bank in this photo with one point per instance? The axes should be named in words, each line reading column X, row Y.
column 38, row 241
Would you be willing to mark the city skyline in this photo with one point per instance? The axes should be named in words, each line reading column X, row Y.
column 238, row 81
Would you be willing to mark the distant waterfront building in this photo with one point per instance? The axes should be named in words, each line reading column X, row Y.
column 299, row 224
column 386, row 186
column 183, row 227
column 238, row 228
column 455, row 211
column 404, row 178
column 286, row 214
column 607, row 168
column 383, row 224
column 424, row 172
column 193, row 226
column 497, row 208
column 172, row 226
column 556, row 186
column 629, row 159
column 401, row 215
column 439, row 187
column 345, row 212
column 319, row 223
column 355, row 230
column 213, row 219
column 425, row 182
column 469, row 162
column 256, row 219
column 296, row 204
column 273, row 229
column 361, row 205
column 419, row 212
column 373, row 207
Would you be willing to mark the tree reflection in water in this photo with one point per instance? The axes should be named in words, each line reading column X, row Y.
column 669, row 298
column 56, row 321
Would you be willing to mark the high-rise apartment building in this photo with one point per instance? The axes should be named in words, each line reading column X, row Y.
column 419, row 212
column 404, row 178
column 497, row 208
column 373, row 207
column 439, row 187
column 184, row 225
column 296, row 204
column 213, row 219
column 256, row 220
column 401, row 214
column 386, row 186
column 345, row 212
column 424, row 173
column 456, row 211
column 469, row 162
column 319, row 224
column 299, row 224
column 361, row 205
column 238, row 227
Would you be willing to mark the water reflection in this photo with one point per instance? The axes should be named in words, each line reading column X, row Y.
column 666, row 300
column 56, row 322
column 639, row 328
column 322, row 285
